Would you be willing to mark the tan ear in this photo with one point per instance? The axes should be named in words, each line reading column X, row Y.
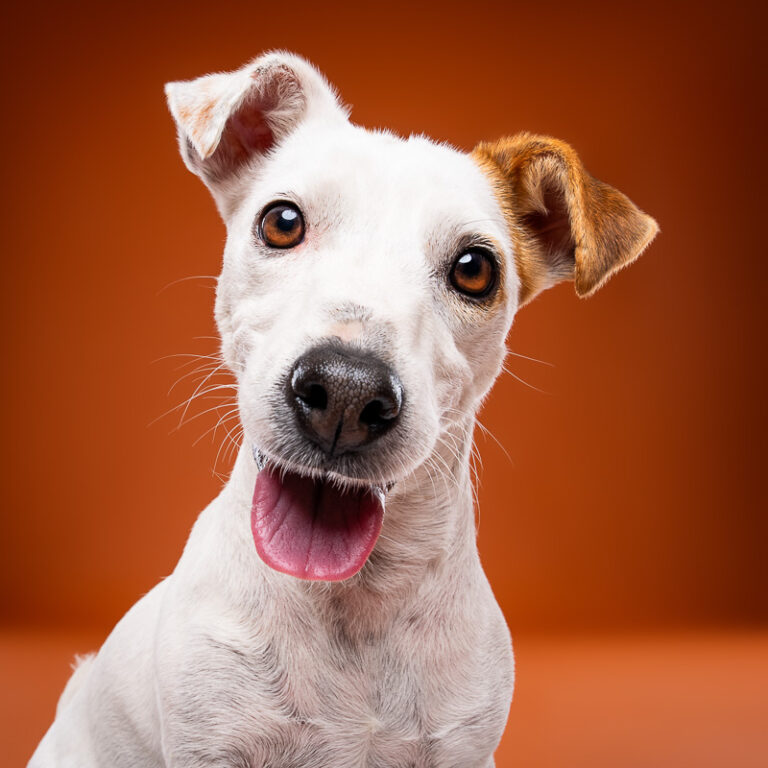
column 566, row 224
column 226, row 121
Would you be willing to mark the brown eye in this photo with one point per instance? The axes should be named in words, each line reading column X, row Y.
column 474, row 273
column 282, row 225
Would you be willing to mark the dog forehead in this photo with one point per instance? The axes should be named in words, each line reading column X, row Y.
column 376, row 175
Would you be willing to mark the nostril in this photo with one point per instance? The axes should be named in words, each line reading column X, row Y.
column 374, row 414
column 380, row 412
column 315, row 396
column 309, row 391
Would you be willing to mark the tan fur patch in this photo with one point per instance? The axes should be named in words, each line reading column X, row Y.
column 196, row 121
column 564, row 223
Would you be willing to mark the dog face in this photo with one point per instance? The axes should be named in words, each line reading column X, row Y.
column 368, row 286
column 384, row 222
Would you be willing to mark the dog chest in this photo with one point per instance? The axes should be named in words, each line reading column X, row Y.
column 323, row 704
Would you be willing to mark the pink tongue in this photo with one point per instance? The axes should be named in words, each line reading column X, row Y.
column 310, row 529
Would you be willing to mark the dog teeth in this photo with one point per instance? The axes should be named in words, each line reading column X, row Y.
column 259, row 458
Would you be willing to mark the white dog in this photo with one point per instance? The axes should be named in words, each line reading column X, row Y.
column 330, row 609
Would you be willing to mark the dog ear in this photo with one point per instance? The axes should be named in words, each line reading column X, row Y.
column 227, row 121
column 566, row 225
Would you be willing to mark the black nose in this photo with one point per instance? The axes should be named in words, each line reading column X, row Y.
column 344, row 399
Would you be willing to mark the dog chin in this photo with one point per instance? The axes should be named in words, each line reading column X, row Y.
column 313, row 524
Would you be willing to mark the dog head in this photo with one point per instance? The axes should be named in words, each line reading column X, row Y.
column 368, row 286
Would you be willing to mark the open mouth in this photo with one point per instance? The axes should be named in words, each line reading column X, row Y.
column 313, row 528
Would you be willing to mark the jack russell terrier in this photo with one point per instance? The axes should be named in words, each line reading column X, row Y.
column 330, row 609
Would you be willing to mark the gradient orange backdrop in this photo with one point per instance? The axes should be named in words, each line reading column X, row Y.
column 629, row 495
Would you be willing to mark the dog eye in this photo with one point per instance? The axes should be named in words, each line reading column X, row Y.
column 474, row 273
column 282, row 225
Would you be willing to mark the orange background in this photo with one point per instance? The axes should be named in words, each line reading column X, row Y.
column 624, row 529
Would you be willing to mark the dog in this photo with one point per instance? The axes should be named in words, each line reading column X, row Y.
column 330, row 608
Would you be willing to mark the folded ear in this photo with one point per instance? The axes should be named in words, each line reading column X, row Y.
column 566, row 224
column 227, row 121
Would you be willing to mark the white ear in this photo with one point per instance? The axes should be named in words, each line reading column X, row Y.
column 227, row 120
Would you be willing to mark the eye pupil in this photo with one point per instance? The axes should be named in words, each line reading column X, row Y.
column 281, row 226
column 473, row 274
column 471, row 264
column 288, row 219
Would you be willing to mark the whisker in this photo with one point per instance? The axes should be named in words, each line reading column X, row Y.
column 234, row 445
column 203, row 395
column 229, row 438
column 222, row 420
column 199, row 387
column 192, row 355
column 185, row 279
column 196, row 416
column 522, row 381
column 532, row 359
column 200, row 371
column 487, row 432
